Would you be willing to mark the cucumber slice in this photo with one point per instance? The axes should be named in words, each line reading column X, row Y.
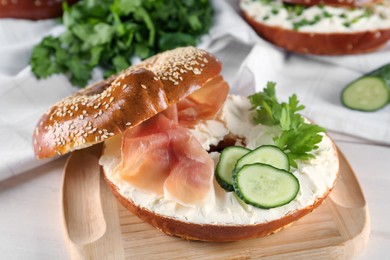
column 366, row 94
column 267, row 154
column 225, row 166
column 369, row 92
column 264, row 186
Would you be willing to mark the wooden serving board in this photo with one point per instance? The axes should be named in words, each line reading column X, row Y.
column 338, row 229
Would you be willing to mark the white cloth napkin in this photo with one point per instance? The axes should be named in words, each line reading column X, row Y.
column 318, row 86
column 248, row 63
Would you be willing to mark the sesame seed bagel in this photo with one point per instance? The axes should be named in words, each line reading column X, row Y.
column 222, row 217
column 109, row 107
column 320, row 30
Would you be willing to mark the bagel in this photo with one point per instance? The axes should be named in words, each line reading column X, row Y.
column 33, row 10
column 108, row 108
column 172, row 114
column 348, row 3
column 319, row 29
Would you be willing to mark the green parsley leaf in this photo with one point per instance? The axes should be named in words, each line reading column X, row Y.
column 107, row 34
column 297, row 138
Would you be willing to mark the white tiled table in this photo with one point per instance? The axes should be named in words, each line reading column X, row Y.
column 31, row 226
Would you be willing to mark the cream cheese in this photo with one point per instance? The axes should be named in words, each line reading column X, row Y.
column 315, row 176
column 318, row 19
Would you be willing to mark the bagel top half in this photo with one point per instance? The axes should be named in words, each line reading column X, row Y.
column 107, row 108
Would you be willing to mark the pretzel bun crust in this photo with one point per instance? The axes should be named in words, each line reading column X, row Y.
column 33, row 9
column 324, row 39
column 107, row 108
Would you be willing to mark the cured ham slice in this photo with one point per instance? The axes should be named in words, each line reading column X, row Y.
column 163, row 157
column 204, row 103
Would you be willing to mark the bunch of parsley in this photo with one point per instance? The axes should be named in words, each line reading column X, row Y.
column 107, row 34
column 297, row 138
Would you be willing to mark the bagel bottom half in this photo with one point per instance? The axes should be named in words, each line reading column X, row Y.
column 224, row 218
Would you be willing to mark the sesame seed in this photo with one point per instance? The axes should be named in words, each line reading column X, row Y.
column 128, row 124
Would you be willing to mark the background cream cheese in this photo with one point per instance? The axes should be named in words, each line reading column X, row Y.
column 315, row 176
column 332, row 19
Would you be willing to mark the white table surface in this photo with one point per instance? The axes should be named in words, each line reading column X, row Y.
column 31, row 226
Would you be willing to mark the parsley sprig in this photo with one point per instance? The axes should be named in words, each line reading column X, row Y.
column 297, row 138
column 107, row 34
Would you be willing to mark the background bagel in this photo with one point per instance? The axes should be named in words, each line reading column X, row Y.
column 107, row 108
column 32, row 9
column 314, row 41
column 321, row 43
column 350, row 3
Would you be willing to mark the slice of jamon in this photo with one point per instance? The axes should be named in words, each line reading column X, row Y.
column 204, row 103
column 163, row 157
